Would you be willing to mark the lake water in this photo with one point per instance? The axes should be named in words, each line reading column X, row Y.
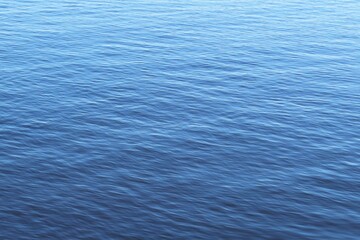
column 197, row 119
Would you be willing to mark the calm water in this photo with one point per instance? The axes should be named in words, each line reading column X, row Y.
column 197, row 119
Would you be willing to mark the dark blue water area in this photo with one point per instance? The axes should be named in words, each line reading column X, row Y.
column 197, row 119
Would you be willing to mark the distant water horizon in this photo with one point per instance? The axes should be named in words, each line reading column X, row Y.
column 198, row 119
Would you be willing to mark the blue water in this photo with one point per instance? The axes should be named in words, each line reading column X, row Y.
column 197, row 119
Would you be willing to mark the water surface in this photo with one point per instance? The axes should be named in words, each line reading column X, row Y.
column 197, row 119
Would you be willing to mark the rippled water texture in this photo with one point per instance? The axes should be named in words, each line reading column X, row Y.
column 197, row 119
